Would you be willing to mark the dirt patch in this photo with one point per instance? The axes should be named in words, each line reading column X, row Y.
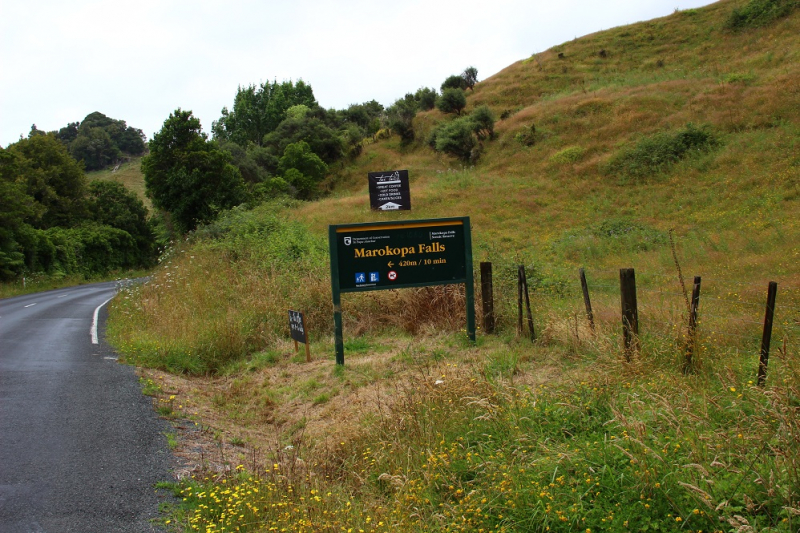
column 293, row 408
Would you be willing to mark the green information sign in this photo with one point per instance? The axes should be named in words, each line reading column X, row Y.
column 393, row 255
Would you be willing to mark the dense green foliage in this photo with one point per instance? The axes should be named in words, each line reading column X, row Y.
column 426, row 98
column 258, row 110
column 266, row 119
column 52, row 221
column 456, row 138
column 324, row 140
column 189, row 176
column 463, row 137
column 111, row 204
column 454, row 82
column 401, row 117
column 655, row 154
column 760, row 13
column 53, row 179
column 302, row 168
column 100, row 141
column 470, row 76
column 452, row 100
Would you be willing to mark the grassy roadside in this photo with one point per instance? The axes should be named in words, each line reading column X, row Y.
column 674, row 152
column 435, row 435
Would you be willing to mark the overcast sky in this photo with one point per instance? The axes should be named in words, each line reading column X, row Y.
column 139, row 61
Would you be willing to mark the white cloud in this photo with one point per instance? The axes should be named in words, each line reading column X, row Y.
column 139, row 61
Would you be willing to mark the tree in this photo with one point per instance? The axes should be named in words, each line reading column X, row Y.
column 426, row 98
column 95, row 148
column 53, row 179
column 302, row 168
column 189, row 176
column 452, row 101
column 99, row 141
column 324, row 141
column 457, row 138
column 111, row 204
column 470, row 76
column 454, row 82
column 15, row 208
column 258, row 110
column 483, row 122
column 401, row 117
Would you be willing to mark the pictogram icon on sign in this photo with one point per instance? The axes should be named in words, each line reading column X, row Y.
column 392, row 275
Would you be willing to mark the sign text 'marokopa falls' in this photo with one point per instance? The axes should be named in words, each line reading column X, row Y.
column 388, row 251
column 394, row 255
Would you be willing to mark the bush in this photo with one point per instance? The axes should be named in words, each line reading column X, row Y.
column 457, row 139
column 657, row 153
column 758, row 13
column 483, row 122
column 401, row 117
column 426, row 98
column 452, row 100
column 454, row 82
column 568, row 155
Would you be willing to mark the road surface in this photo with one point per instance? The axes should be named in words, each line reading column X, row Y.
column 81, row 448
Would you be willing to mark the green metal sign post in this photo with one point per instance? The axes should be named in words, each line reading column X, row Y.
column 394, row 255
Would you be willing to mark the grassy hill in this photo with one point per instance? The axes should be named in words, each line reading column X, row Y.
column 669, row 146
column 129, row 174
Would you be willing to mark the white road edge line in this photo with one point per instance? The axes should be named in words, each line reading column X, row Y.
column 94, row 321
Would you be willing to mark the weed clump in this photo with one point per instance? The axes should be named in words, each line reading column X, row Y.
column 757, row 13
column 656, row 154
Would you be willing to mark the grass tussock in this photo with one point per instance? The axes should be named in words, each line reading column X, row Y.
column 487, row 446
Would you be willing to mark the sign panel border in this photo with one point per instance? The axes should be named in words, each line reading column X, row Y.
column 468, row 280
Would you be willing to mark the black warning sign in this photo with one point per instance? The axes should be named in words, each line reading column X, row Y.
column 388, row 191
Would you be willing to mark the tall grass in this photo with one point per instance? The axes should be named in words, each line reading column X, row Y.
column 491, row 447
column 421, row 431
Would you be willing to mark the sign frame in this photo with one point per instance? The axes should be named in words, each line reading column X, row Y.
column 448, row 228
column 393, row 186
column 299, row 334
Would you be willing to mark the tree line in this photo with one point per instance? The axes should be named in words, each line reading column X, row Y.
column 277, row 140
column 53, row 221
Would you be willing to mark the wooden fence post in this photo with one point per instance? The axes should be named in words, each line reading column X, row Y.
column 487, row 296
column 767, row 336
column 692, row 331
column 630, row 312
column 519, row 300
column 522, row 283
column 587, row 302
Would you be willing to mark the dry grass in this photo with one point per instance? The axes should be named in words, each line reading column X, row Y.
column 129, row 174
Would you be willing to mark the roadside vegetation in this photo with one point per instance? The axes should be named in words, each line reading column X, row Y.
column 669, row 146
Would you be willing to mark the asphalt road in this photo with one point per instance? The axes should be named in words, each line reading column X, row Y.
column 81, row 448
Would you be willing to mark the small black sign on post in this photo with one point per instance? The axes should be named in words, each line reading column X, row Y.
column 389, row 191
column 297, row 328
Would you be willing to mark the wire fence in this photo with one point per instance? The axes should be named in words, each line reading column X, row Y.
column 730, row 314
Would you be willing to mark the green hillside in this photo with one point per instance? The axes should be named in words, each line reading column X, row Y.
column 129, row 174
column 668, row 146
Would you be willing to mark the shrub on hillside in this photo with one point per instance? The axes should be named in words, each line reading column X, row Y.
column 452, row 100
column 657, row 153
column 758, row 13
column 426, row 98
column 454, row 82
column 483, row 122
column 456, row 138
column 463, row 136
